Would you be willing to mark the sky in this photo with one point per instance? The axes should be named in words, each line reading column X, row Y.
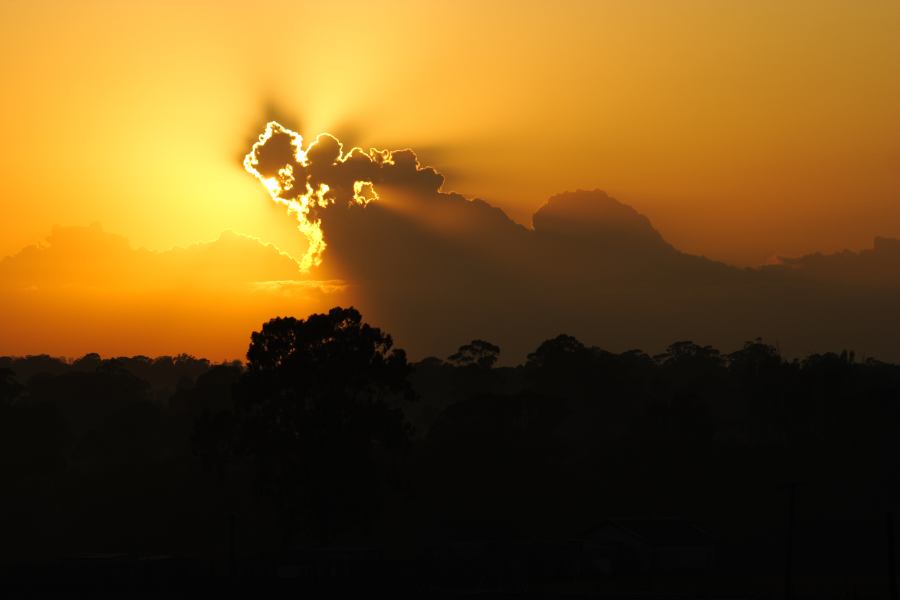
column 742, row 130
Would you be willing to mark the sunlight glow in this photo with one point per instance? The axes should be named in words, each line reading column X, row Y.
column 281, row 189
column 364, row 192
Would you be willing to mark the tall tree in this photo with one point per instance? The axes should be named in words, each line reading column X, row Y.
column 316, row 408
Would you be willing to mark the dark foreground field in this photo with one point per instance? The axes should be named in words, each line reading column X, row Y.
column 328, row 464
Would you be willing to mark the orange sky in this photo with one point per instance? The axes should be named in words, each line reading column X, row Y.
column 741, row 129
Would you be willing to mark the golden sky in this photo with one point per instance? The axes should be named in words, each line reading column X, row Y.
column 743, row 130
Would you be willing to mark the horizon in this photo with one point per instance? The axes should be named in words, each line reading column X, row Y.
column 450, row 298
column 737, row 133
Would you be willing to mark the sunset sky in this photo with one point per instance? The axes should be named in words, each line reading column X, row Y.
column 742, row 130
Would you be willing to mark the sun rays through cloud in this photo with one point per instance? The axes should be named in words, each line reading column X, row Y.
column 283, row 190
column 309, row 180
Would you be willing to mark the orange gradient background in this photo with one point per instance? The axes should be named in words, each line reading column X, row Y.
column 742, row 130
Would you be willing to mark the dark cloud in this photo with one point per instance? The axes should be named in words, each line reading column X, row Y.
column 324, row 161
column 437, row 269
column 270, row 110
column 878, row 266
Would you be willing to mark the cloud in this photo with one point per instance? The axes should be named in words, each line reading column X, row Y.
column 437, row 269
column 877, row 267
column 308, row 180
column 84, row 289
column 73, row 256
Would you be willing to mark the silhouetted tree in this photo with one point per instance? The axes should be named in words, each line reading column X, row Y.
column 691, row 356
column 557, row 353
column 95, row 453
column 89, row 362
column 85, row 399
column 561, row 367
column 211, row 405
column 473, row 372
column 9, row 387
column 33, row 437
column 829, row 388
column 691, row 369
column 477, row 353
column 314, row 409
column 489, row 452
column 763, row 383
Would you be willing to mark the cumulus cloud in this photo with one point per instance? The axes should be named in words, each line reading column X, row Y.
column 84, row 289
column 310, row 179
column 437, row 269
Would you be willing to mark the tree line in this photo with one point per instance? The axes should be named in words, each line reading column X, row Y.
column 329, row 436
